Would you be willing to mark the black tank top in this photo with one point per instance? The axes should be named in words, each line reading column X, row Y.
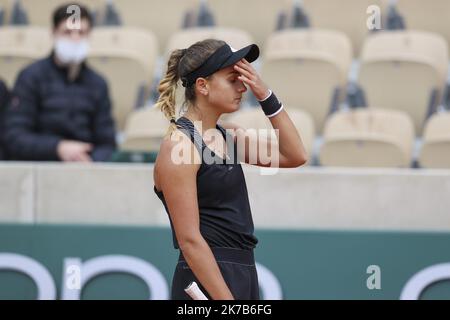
column 225, row 215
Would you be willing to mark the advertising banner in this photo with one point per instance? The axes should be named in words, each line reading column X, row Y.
column 101, row 262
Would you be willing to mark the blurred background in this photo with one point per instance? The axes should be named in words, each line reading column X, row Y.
column 366, row 83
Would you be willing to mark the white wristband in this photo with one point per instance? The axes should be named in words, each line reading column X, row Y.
column 270, row 93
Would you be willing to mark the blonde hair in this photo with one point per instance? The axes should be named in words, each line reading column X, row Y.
column 182, row 62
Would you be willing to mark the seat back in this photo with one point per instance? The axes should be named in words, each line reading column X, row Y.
column 161, row 17
column 20, row 46
column 144, row 130
column 368, row 137
column 402, row 70
column 347, row 16
column 431, row 15
column 5, row 9
column 126, row 57
column 259, row 18
column 435, row 152
column 40, row 12
column 308, row 69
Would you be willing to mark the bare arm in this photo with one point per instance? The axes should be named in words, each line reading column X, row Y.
column 290, row 151
column 179, row 185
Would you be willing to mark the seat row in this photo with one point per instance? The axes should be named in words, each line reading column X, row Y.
column 308, row 68
column 365, row 137
column 259, row 18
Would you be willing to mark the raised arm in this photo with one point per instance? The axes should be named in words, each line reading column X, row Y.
column 179, row 185
column 291, row 151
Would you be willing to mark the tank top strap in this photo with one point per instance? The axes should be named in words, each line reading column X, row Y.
column 222, row 130
column 187, row 127
column 229, row 140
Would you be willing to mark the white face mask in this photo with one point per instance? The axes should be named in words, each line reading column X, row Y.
column 71, row 52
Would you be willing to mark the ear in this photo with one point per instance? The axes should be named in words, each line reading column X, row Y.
column 201, row 86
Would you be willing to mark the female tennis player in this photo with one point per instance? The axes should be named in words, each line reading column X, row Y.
column 207, row 201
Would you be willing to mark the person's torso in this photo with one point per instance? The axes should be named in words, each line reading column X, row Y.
column 66, row 108
column 225, row 214
column 4, row 95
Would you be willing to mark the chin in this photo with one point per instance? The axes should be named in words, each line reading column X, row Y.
column 230, row 108
column 235, row 107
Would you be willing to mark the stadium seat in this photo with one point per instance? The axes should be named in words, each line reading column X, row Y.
column 348, row 16
column 307, row 69
column 257, row 17
column 184, row 38
column 161, row 17
column 254, row 118
column 431, row 15
column 126, row 57
column 404, row 70
column 40, row 12
column 16, row 15
column 368, row 137
column 20, row 46
column 435, row 152
column 249, row 118
column 144, row 130
column 5, row 7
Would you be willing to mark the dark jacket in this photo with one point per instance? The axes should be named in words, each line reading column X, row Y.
column 45, row 108
column 4, row 95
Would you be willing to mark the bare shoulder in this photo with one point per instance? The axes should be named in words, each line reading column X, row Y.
column 177, row 158
column 168, row 144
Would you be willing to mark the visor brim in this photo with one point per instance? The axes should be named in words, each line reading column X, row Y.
column 249, row 53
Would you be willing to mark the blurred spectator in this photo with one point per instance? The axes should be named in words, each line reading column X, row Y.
column 4, row 95
column 60, row 108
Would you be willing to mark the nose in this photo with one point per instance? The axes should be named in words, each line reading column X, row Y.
column 242, row 88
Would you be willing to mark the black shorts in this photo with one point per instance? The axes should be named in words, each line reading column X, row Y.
column 237, row 267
